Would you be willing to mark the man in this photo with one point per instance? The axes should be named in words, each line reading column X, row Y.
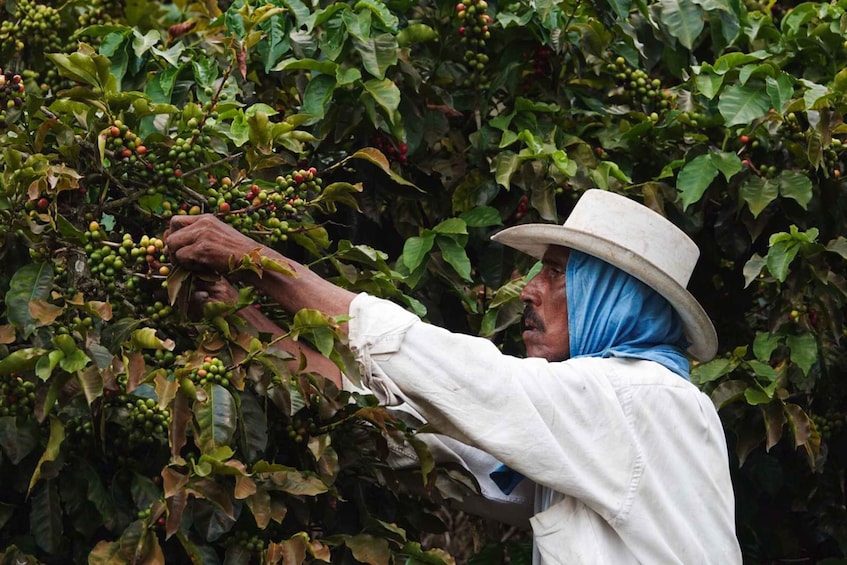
column 627, row 459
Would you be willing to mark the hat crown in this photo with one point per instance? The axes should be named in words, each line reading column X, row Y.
column 636, row 229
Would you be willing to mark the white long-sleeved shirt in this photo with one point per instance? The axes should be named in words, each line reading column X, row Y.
column 629, row 460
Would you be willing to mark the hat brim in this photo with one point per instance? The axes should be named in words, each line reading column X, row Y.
column 534, row 239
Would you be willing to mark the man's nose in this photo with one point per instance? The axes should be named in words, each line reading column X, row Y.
column 529, row 294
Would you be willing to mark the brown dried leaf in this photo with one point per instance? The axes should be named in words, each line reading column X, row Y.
column 134, row 370
column 369, row 549
column 176, row 507
column 774, row 417
column 260, row 505
column 244, row 487
column 215, row 493
column 165, row 389
column 805, row 433
column 44, row 312
column 7, row 334
column 178, row 428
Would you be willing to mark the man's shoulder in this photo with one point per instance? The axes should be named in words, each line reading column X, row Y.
column 628, row 372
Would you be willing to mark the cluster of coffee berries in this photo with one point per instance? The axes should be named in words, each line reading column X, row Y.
column 245, row 541
column 390, row 148
column 149, row 255
column 161, row 358
column 11, row 93
column 17, row 396
column 473, row 20
column 38, row 24
column 542, row 66
column 79, row 435
column 639, row 89
column 265, row 211
column 99, row 12
column 832, row 158
column 212, row 371
column 123, row 143
column 830, row 424
column 795, row 128
column 10, row 35
column 149, row 422
column 301, row 426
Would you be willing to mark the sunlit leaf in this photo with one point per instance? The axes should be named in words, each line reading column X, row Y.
column 51, row 451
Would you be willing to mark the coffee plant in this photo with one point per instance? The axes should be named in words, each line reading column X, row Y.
column 382, row 143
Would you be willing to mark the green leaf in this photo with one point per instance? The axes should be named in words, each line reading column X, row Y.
column 796, row 185
column 814, row 93
column 504, row 166
column 763, row 370
column 839, row 246
column 743, row 104
column 317, row 96
column 206, row 71
column 385, row 93
column 253, row 427
column 93, row 70
column 756, row 396
column 780, row 90
column 780, row 257
column 21, row 360
column 482, row 217
column 764, row 346
column 45, row 517
column 145, row 338
column 711, row 371
column 30, row 282
column 378, row 53
column 684, row 20
column 752, row 268
column 51, row 451
column 727, row 163
column 694, row 178
column 415, row 33
column 415, row 250
column 454, row 253
column 380, row 11
column 758, row 192
column 708, row 83
column 18, row 438
column 315, row 326
column 215, row 419
column 454, row 226
column 621, row 8
column 804, row 350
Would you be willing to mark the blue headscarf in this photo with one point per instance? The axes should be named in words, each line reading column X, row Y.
column 613, row 314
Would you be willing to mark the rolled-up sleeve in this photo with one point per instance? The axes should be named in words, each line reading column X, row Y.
column 562, row 429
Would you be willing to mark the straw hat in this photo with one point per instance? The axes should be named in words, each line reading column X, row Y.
column 636, row 240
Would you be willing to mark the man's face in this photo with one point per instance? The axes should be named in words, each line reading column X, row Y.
column 545, row 318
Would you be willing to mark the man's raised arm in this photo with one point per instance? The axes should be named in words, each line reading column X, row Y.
column 204, row 243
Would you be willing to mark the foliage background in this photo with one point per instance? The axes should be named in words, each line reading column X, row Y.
column 382, row 143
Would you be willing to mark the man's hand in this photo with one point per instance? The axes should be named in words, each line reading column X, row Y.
column 204, row 243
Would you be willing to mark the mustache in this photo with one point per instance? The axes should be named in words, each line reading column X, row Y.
column 531, row 316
